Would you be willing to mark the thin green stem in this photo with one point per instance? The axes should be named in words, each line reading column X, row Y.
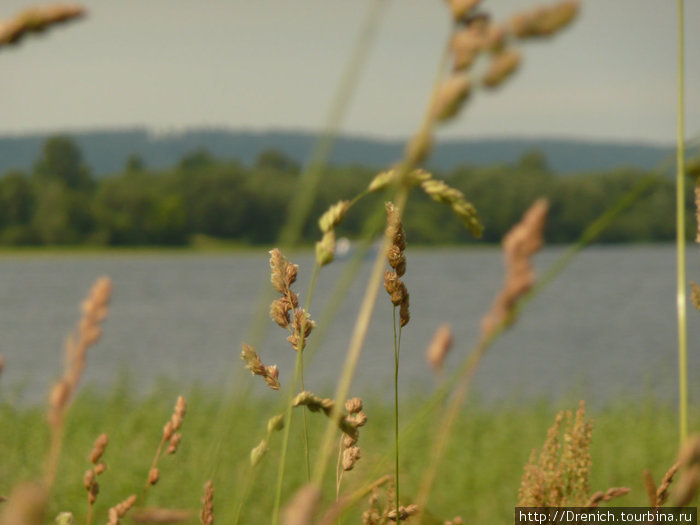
column 680, row 236
column 396, row 411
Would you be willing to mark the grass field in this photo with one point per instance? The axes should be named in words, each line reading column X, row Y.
column 479, row 479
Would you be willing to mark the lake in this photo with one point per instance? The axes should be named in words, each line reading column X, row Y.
column 605, row 328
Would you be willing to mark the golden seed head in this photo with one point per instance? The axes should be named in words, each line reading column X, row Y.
column 461, row 8
column 404, row 513
column 283, row 273
column 279, row 311
column 325, row 248
column 271, row 377
column 174, row 443
column 88, row 479
column 503, row 65
column 466, row 45
column 404, row 313
column 353, row 405
column 349, row 441
column 350, row 456
column 258, row 453
column 358, row 419
column 275, row 423
column 99, row 468
column 207, row 513
column 179, row 413
column 451, row 96
column 544, row 21
column 439, row 347
column 332, row 217
column 98, row 448
column 153, row 476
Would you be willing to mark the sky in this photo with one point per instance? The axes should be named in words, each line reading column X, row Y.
column 169, row 65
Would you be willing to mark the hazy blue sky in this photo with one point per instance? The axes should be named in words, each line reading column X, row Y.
column 261, row 64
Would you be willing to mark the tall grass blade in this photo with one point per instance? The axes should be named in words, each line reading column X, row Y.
column 680, row 237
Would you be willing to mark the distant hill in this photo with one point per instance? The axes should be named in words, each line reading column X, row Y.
column 107, row 151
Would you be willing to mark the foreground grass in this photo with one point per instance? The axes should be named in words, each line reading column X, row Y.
column 479, row 479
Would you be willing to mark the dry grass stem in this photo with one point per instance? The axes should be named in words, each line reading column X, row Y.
column 2, row 364
column 119, row 511
column 206, row 515
column 26, row 505
column 301, row 510
column 36, row 20
column 689, row 468
column 87, row 333
column 172, row 437
column 650, row 487
column 662, row 491
column 90, row 478
column 600, row 497
column 439, row 348
column 519, row 245
column 252, row 362
column 160, row 515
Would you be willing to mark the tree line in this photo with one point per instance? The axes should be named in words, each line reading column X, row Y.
column 60, row 202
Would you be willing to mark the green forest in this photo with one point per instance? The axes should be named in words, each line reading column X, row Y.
column 60, row 202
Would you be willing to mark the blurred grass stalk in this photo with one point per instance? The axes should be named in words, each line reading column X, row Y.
column 680, row 238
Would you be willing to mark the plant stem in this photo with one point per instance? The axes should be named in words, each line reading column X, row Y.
column 396, row 411
column 297, row 377
column 680, row 238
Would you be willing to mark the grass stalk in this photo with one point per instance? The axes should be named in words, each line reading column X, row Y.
column 297, row 378
column 680, row 237
column 396, row 411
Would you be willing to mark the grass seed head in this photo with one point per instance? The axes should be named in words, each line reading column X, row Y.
column 174, row 443
column 153, row 476
column 439, row 348
column 35, row 20
column 353, row 405
column 325, row 248
column 461, row 8
column 98, row 448
column 258, row 452
column 332, row 217
column 206, row 515
column 503, row 65
column 403, row 514
column 451, row 97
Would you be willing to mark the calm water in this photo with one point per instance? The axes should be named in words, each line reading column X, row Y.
column 605, row 328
